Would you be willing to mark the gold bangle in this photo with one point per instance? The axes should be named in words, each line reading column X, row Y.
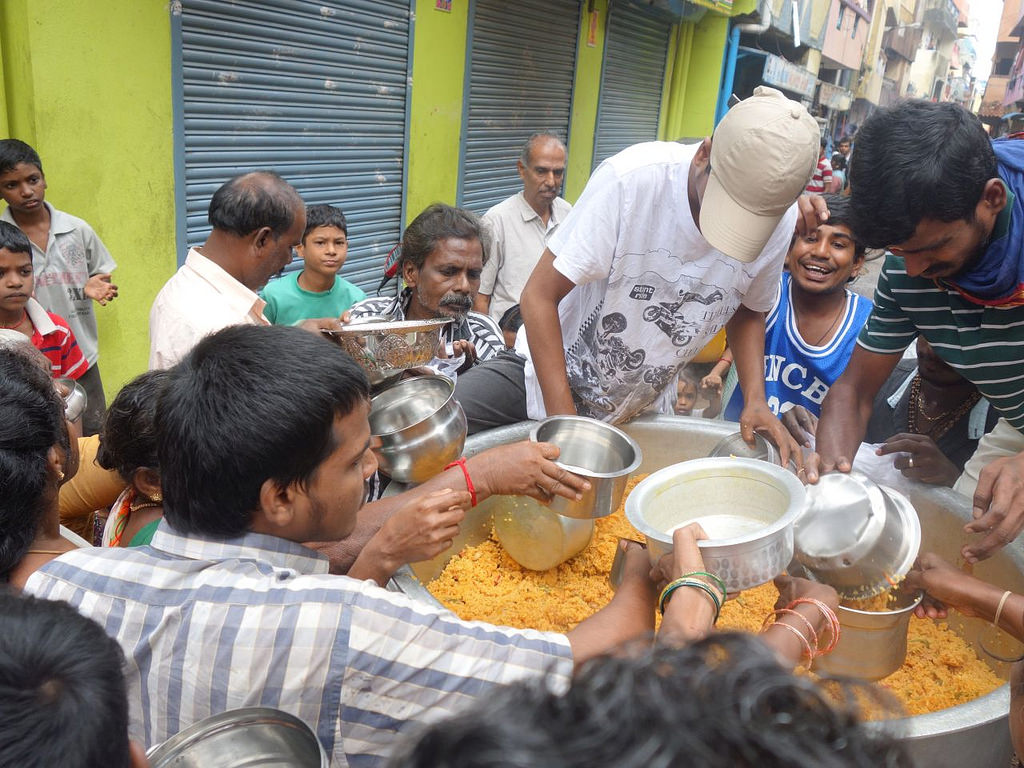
column 999, row 609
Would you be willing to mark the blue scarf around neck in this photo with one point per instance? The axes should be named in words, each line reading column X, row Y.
column 998, row 277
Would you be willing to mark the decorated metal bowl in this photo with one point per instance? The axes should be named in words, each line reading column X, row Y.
column 385, row 348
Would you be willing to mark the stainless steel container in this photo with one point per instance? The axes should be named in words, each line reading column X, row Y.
column 746, row 506
column 872, row 644
column 418, row 428
column 535, row 536
column 971, row 734
column 385, row 348
column 856, row 536
column 599, row 452
column 735, row 447
column 241, row 738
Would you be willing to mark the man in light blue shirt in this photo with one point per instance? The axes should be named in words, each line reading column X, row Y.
column 264, row 443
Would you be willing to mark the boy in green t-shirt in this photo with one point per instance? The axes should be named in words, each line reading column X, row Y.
column 316, row 291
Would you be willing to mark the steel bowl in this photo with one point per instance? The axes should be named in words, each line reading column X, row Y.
column 417, row 428
column 599, row 452
column 385, row 348
column 872, row 644
column 240, row 738
column 536, row 537
column 746, row 506
column 859, row 537
column 735, row 447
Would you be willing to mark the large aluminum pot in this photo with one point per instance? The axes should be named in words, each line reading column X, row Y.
column 418, row 428
column 603, row 454
column 241, row 738
column 747, row 507
column 972, row 734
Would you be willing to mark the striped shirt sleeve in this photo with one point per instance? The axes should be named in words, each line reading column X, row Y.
column 488, row 339
column 889, row 328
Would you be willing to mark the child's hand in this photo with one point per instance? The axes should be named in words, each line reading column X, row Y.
column 711, row 384
column 99, row 288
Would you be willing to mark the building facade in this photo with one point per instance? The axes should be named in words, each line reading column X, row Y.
column 142, row 108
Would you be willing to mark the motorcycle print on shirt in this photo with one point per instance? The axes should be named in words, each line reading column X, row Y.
column 645, row 327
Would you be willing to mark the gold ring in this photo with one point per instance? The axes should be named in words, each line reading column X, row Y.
column 802, row 469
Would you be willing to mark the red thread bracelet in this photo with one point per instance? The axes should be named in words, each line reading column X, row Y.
column 461, row 462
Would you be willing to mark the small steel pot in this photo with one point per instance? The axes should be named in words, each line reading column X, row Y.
column 872, row 644
column 859, row 537
column 599, row 452
column 417, row 428
column 762, row 498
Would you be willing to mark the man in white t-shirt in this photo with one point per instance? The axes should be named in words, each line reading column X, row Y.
column 667, row 244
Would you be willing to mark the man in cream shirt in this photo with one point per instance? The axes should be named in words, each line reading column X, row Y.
column 257, row 220
column 521, row 224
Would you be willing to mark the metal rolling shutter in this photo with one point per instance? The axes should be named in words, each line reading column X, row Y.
column 636, row 48
column 522, row 62
column 316, row 91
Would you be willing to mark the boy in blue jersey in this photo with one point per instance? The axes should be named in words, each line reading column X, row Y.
column 812, row 328
column 316, row 291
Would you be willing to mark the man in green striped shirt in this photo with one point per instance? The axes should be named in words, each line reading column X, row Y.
column 945, row 201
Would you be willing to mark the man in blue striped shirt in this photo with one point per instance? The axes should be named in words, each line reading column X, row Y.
column 264, row 443
column 946, row 201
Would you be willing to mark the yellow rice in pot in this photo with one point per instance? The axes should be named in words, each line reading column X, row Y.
column 483, row 583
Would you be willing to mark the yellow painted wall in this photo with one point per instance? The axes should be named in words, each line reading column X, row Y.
column 4, row 127
column 585, row 92
column 92, row 93
column 435, row 112
column 688, row 107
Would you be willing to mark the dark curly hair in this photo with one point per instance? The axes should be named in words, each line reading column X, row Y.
column 31, row 423
column 917, row 160
column 722, row 701
column 128, row 436
column 439, row 222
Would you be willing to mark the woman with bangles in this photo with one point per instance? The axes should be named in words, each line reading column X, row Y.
column 802, row 626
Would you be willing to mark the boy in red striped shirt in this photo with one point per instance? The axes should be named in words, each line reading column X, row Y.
column 19, row 311
column 821, row 181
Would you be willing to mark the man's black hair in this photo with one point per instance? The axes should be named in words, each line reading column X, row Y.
column 511, row 319
column 323, row 215
column 128, row 435
column 917, row 160
column 31, row 423
column 440, row 222
column 722, row 701
column 13, row 239
column 840, row 212
column 248, row 404
column 14, row 152
column 63, row 698
column 249, row 201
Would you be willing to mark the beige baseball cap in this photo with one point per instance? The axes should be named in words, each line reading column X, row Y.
column 762, row 156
